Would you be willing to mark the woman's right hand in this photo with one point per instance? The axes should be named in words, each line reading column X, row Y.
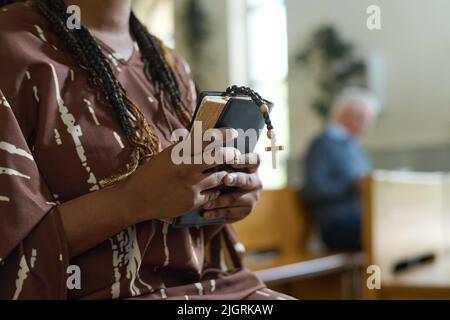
column 161, row 189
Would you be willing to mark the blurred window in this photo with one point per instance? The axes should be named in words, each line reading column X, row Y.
column 267, row 73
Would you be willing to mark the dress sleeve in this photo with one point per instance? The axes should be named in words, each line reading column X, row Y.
column 33, row 248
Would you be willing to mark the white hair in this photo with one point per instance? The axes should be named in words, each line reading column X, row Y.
column 350, row 94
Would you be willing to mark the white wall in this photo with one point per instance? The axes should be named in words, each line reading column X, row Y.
column 414, row 44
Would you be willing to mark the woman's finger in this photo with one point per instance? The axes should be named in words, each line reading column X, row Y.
column 230, row 214
column 206, row 197
column 212, row 180
column 245, row 181
column 249, row 161
column 233, row 199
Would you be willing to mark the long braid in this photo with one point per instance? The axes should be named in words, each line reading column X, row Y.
column 160, row 72
column 157, row 68
column 85, row 50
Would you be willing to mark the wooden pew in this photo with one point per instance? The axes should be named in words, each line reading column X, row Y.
column 280, row 225
column 406, row 216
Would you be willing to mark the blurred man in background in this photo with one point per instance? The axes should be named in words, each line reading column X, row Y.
column 335, row 163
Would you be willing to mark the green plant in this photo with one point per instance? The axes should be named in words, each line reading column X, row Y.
column 332, row 63
column 197, row 26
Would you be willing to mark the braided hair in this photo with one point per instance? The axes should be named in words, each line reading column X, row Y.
column 86, row 52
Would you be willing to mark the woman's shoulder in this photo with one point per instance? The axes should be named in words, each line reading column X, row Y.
column 20, row 17
column 27, row 47
column 27, row 43
column 22, row 30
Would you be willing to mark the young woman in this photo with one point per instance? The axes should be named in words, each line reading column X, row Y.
column 86, row 178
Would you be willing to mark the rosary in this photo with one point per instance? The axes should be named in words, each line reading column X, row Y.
column 259, row 101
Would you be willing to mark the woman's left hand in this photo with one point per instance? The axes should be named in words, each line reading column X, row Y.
column 236, row 206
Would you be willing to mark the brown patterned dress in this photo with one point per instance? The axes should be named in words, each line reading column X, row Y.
column 58, row 139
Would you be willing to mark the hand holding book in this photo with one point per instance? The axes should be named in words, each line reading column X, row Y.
column 244, row 110
column 235, row 206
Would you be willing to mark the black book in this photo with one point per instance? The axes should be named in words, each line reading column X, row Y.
column 220, row 110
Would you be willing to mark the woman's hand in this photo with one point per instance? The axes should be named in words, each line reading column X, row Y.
column 159, row 189
column 163, row 190
column 236, row 206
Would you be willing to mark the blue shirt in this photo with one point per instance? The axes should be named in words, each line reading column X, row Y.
column 334, row 163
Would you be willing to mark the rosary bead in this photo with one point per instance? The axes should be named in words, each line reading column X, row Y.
column 264, row 108
column 235, row 90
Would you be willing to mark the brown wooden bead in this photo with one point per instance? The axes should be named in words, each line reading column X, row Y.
column 264, row 108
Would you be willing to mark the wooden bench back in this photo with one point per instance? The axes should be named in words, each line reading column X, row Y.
column 404, row 217
column 278, row 223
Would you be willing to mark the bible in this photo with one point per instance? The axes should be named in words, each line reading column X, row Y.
column 225, row 110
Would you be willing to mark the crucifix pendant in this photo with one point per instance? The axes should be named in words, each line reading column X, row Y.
column 273, row 148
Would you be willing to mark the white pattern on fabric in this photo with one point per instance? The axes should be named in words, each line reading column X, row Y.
column 114, row 59
column 199, row 287
column 23, row 272
column 75, row 131
column 213, row 285
column 223, row 264
column 91, row 111
column 12, row 172
column 119, row 140
column 33, row 258
column 57, row 137
column 12, row 149
column 4, row 102
column 56, row 197
column 132, row 117
column 36, row 94
column 193, row 252
column 40, row 33
column 126, row 252
column 262, row 293
column 165, row 231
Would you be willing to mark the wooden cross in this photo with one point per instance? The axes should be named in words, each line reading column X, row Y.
column 274, row 149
